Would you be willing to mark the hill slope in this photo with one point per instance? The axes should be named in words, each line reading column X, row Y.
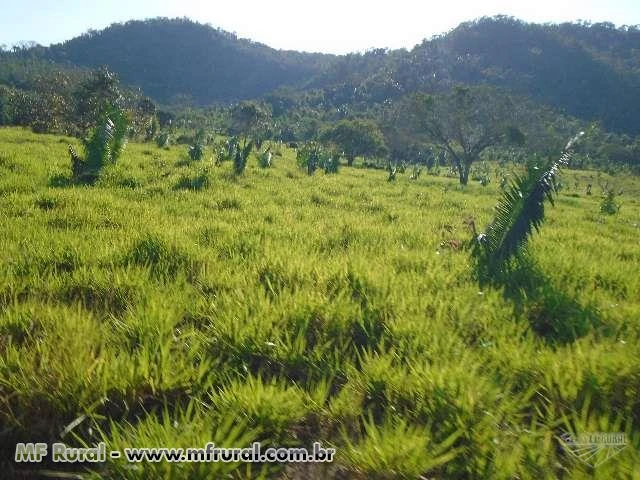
column 179, row 57
column 588, row 71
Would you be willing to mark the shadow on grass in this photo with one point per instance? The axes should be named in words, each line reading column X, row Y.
column 61, row 180
column 551, row 313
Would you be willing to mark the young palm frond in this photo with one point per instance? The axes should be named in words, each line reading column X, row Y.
column 241, row 158
column 519, row 212
column 393, row 170
column 107, row 140
column 103, row 147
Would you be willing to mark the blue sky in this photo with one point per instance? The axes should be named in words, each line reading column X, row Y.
column 334, row 26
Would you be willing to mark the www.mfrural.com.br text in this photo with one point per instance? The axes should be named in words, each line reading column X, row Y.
column 61, row 453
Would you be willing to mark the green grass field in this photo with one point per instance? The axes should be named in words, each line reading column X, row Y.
column 173, row 304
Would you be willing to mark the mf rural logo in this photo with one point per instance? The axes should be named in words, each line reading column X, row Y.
column 594, row 449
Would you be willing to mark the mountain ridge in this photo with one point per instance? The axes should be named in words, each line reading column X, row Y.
column 590, row 71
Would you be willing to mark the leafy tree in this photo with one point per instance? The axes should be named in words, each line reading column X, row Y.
column 356, row 137
column 5, row 116
column 466, row 122
column 251, row 120
column 99, row 93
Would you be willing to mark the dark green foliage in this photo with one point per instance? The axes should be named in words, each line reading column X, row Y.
column 95, row 95
column 196, row 150
column 250, row 119
column 197, row 182
column 103, row 147
column 355, row 138
column 465, row 122
column 107, row 140
column 5, row 116
column 225, row 150
column 609, row 205
column 171, row 56
column 313, row 156
column 264, row 159
column 162, row 140
column 241, row 157
column 330, row 163
column 309, row 156
column 518, row 213
column 393, row 171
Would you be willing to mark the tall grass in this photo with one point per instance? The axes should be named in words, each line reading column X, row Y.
column 151, row 310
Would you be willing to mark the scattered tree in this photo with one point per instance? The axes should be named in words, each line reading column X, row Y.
column 466, row 122
column 355, row 138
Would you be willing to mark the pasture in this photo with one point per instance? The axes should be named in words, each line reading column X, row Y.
column 174, row 303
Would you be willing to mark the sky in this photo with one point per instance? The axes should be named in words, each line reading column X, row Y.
column 331, row 26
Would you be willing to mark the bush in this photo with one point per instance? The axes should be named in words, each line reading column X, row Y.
column 264, row 159
column 609, row 205
column 105, row 144
column 196, row 151
column 241, row 157
column 162, row 140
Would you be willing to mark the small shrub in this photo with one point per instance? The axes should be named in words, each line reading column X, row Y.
column 162, row 140
column 241, row 157
column 608, row 204
column 196, row 150
column 393, row 171
column 197, row 182
column 264, row 159
column 105, row 144
column 308, row 157
column 330, row 164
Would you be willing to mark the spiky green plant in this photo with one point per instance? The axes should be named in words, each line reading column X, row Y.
column 107, row 140
column 519, row 212
column 330, row 162
column 309, row 156
column 241, row 157
column 264, row 159
column 103, row 147
column 196, row 150
column 162, row 140
column 609, row 204
column 393, row 171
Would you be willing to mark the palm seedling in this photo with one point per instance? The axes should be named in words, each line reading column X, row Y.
column 264, row 159
column 196, row 150
column 609, row 204
column 162, row 140
column 518, row 213
column 308, row 157
column 241, row 157
column 103, row 147
column 393, row 170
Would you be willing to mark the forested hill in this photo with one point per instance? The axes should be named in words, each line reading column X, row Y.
column 172, row 57
column 588, row 71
